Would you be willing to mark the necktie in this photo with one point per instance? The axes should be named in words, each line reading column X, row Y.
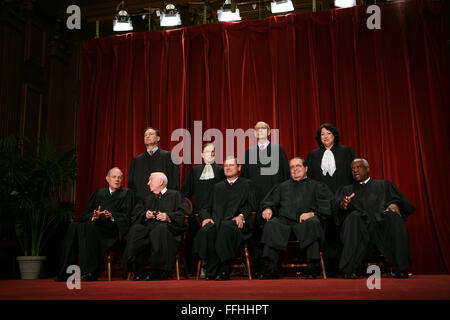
column 151, row 153
column 363, row 183
column 158, row 195
column 231, row 183
column 261, row 148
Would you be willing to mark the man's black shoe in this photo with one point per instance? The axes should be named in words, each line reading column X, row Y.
column 351, row 275
column 152, row 276
column 61, row 277
column 138, row 277
column 310, row 276
column 89, row 277
column 270, row 276
column 223, row 276
column 401, row 275
column 163, row 276
column 208, row 277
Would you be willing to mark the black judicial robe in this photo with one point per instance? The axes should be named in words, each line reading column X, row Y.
column 143, row 165
column 288, row 201
column 93, row 238
column 366, row 220
column 227, row 202
column 120, row 204
column 264, row 183
column 343, row 156
column 157, row 240
column 200, row 189
column 217, row 243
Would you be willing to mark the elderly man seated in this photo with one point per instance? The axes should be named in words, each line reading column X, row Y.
column 154, row 236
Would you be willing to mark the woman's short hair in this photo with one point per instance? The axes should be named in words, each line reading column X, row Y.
column 331, row 128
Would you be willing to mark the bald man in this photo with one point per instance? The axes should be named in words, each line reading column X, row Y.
column 106, row 214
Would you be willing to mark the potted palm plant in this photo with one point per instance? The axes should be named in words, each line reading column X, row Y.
column 32, row 178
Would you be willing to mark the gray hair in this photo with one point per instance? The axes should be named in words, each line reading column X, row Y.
column 366, row 164
column 162, row 176
column 109, row 171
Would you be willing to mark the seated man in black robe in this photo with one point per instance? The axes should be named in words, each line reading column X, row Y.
column 297, row 205
column 156, row 232
column 373, row 212
column 226, row 222
column 106, row 214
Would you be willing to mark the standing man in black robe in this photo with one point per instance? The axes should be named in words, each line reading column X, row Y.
column 154, row 159
column 106, row 214
column 226, row 222
column 297, row 205
column 156, row 232
column 374, row 212
column 266, row 164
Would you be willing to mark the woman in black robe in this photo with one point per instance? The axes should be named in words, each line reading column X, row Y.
column 198, row 185
column 331, row 164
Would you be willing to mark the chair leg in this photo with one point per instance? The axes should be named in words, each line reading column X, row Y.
column 129, row 276
column 109, row 267
column 177, row 266
column 185, row 269
column 247, row 261
column 199, row 268
column 322, row 265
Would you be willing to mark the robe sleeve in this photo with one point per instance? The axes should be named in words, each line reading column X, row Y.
column 181, row 209
column 131, row 183
column 394, row 195
column 174, row 174
column 206, row 211
column 338, row 213
column 122, row 215
column 245, row 166
column 89, row 209
column 284, row 164
column 323, row 202
column 138, row 213
column 272, row 200
column 310, row 165
column 187, row 188
column 250, row 203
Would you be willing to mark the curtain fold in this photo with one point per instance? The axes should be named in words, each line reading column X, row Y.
column 386, row 90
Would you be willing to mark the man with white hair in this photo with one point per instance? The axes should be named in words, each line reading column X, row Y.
column 156, row 232
column 373, row 214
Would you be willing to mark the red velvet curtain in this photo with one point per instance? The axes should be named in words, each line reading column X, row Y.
column 386, row 91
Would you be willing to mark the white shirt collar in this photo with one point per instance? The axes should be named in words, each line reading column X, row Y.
column 232, row 181
column 111, row 190
column 154, row 150
column 265, row 144
column 163, row 190
column 365, row 181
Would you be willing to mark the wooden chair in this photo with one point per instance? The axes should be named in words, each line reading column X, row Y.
column 295, row 262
